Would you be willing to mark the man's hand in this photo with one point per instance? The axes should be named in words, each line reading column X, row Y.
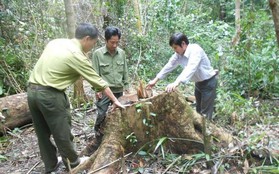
column 117, row 104
column 152, row 83
column 171, row 87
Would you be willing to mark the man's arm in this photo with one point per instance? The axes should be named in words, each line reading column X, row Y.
column 110, row 95
column 170, row 66
column 152, row 83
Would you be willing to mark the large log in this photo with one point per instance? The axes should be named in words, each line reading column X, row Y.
column 164, row 115
column 14, row 112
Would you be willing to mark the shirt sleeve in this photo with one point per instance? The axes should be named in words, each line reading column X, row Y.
column 169, row 67
column 82, row 66
column 192, row 66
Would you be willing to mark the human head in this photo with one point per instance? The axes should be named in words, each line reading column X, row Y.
column 178, row 39
column 112, row 36
column 87, row 34
column 112, row 31
column 179, row 42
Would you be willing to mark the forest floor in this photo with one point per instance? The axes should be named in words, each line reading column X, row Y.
column 22, row 152
column 21, row 148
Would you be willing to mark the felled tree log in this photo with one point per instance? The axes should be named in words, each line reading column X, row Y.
column 164, row 115
column 14, row 112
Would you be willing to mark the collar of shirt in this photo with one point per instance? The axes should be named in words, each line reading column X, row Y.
column 105, row 50
column 187, row 51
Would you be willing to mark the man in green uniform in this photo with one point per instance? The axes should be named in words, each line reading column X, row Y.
column 110, row 63
column 62, row 62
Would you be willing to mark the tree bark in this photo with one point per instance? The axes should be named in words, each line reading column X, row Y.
column 15, row 112
column 70, row 16
column 236, row 37
column 274, row 6
column 137, row 10
column 222, row 13
column 166, row 115
column 79, row 94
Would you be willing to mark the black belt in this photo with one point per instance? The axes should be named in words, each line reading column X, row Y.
column 34, row 86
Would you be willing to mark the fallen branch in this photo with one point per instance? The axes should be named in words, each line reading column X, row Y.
column 178, row 158
column 110, row 163
column 33, row 167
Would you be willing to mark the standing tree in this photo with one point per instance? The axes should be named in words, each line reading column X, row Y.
column 70, row 16
column 79, row 93
column 274, row 6
column 236, row 37
column 137, row 15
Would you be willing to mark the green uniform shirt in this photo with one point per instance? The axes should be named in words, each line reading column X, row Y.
column 113, row 69
column 62, row 63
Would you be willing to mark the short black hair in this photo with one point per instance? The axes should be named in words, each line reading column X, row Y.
column 86, row 29
column 177, row 39
column 112, row 31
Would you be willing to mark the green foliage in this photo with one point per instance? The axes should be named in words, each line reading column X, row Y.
column 29, row 25
column 116, row 7
column 3, row 158
column 132, row 138
column 232, row 108
column 160, row 144
column 266, row 169
column 4, row 142
column 249, row 69
column 257, row 146
column 25, row 27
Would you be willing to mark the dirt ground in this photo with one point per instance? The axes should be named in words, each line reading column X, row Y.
column 22, row 148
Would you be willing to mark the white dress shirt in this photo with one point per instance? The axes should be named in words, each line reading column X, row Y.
column 195, row 63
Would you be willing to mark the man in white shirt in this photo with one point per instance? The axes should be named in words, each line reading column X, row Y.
column 196, row 67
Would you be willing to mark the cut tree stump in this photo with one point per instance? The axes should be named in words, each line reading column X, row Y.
column 165, row 115
column 14, row 112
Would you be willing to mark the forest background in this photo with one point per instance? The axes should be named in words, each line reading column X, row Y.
column 238, row 36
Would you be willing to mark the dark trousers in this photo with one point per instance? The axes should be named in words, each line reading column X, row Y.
column 102, row 108
column 50, row 110
column 205, row 93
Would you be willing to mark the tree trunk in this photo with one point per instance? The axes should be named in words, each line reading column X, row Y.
column 166, row 115
column 15, row 112
column 274, row 6
column 137, row 10
column 79, row 94
column 70, row 16
column 222, row 13
column 236, row 37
